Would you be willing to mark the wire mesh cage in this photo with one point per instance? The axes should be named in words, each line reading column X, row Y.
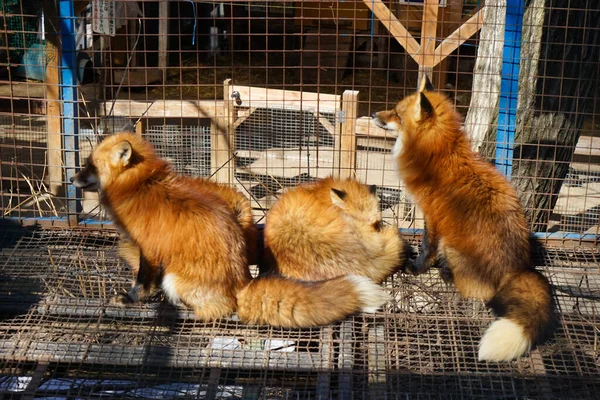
column 263, row 96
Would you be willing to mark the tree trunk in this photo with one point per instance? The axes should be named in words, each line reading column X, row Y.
column 559, row 57
column 481, row 121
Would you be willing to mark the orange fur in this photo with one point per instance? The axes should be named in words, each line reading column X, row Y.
column 188, row 236
column 239, row 205
column 185, row 228
column 474, row 221
column 312, row 234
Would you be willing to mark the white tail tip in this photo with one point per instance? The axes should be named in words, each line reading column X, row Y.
column 504, row 340
column 371, row 295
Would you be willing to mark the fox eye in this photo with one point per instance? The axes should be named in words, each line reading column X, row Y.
column 378, row 226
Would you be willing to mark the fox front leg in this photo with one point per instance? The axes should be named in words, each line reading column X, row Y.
column 428, row 256
column 145, row 284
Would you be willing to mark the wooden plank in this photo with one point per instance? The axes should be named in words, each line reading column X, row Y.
column 395, row 27
column 53, row 107
column 469, row 28
column 428, row 33
column 157, row 356
column 345, row 143
column 164, row 108
column 266, row 97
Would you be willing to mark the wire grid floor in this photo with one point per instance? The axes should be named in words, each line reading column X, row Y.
column 60, row 337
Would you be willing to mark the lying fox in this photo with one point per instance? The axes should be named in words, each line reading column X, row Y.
column 330, row 228
column 191, row 232
column 474, row 222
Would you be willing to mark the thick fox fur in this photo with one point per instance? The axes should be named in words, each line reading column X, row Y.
column 237, row 202
column 327, row 230
column 330, row 228
column 193, row 238
column 474, row 222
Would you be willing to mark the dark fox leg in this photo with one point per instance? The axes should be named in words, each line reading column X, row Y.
column 428, row 256
column 445, row 271
column 146, row 283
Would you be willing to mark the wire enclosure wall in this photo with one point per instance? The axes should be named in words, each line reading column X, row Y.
column 264, row 96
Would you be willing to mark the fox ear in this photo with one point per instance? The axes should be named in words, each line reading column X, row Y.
column 338, row 198
column 122, row 153
column 426, row 85
column 425, row 107
column 373, row 189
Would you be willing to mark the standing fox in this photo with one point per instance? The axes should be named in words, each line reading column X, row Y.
column 192, row 233
column 330, row 228
column 474, row 222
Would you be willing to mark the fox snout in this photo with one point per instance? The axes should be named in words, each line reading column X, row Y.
column 383, row 120
column 85, row 179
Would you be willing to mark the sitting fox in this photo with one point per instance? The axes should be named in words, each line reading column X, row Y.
column 474, row 222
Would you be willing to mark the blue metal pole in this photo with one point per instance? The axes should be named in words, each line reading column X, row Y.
column 509, row 86
column 69, row 100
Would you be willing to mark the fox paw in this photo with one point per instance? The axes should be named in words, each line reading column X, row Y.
column 420, row 265
column 122, row 300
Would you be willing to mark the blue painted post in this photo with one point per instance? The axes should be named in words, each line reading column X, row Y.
column 68, row 72
column 509, row 86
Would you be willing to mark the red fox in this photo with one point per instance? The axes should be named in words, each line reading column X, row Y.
column 329, row 228
column 474, row 222
column 240, row 207
column 190, row 234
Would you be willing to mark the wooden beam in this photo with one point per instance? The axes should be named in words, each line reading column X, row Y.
column 221, row 140
column 469, row 28
column 256, row 97
column 164, row 108
column 428, row 33
column 329, row 127
column 163, row 35
column 242, row 118
column 395, row 27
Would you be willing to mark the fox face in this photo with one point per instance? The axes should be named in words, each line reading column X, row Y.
column 407, row 112
column 87, row 177
column 359, row 204
column 108, row 160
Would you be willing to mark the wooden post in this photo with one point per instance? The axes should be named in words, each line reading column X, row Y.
column 221, row 139
column 428, row 38
column 395, row 27
column 163, row 36
column 345, row 145
column 53, row 107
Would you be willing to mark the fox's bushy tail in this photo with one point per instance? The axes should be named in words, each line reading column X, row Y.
column 279, row 301
column 525, row 313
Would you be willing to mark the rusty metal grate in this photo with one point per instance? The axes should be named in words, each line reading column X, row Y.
column 59, row 336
